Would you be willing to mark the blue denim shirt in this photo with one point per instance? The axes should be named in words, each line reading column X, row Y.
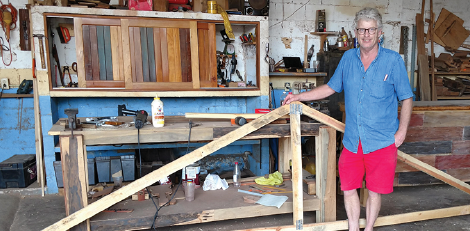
column 371, row 98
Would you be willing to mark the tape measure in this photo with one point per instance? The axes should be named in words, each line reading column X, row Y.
column 227, row 25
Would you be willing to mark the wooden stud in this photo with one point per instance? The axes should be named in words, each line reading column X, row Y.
column 151, row 54
column 74, row 174
column 330, row 187
column 38, row 137
column 194, row 55
column 139, row 76
column 126, row 52
column 95, row 60
column 124, row 192
column 295, row 110
column 115, row 56
column 158, row 54
column 107, row 53
column 284, row 155
column 185, row 49
column 101, row 51
column 164, row 56
column 145, row 54
column 132, row 55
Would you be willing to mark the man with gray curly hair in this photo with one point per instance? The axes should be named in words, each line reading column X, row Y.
column 374, row 79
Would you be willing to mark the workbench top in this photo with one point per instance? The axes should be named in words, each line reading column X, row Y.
column 176, row 129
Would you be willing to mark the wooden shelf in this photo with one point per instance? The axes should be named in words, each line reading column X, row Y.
column 11, row 95
column 297, row 74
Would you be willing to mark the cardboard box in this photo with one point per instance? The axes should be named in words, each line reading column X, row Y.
column 160, row 5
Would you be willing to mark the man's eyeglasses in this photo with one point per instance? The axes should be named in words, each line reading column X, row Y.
column 371, row 30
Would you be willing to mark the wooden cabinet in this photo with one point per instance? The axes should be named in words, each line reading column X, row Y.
column 145, row 54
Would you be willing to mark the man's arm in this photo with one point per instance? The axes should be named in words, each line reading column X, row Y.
column 320, row 92
column 405, row 115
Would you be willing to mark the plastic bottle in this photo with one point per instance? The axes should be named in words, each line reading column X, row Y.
column 158, row 119
column 344, row 36
column 236, row 175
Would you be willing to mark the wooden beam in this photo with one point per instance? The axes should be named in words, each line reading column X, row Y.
column 382, row 221
column 325, row 144
column 38, row 137
column 147, row 180
column 322, row 118
column 297, row 186
column 226, row 115
column 433, row 172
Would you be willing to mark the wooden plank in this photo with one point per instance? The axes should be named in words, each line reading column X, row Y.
column 466, row 133
column 174, row 55
column 420, row 34
column 427, row 147
column 433, row 79
column 115, row 52
column 424, row 84
column 212, row 69
column 106, row 84
column 203, row 57
column 164, row 56
column 195, row 55
column 107, row 53
column 442, row 16
column 126, row 53
column 225, row 115
column 434, row 172
column 101, row 21
column 330, row 191
column 25, row 44
column 271, row 131
column 446, row 118
column 309, row 184
column 120, row 55
column 284, row 155
column 185, row 49
column 322, row 118
column 138, row 56
column 461, row 173
column 416, row 119
column 145, row 54
column 73, row 172
column 95, row 60
column 417, row 134
column 451, row 31
column 151, row 54
column 381, row 221
column 295, row 110
column 428, row 159
column 158, row 54
column 38, row 137
column 453, row 162
column 159, row 23
column 101, row 52
column 163, row 86
column 132, row 53
column 147, row 180
column 84, row 66
column 461, row 147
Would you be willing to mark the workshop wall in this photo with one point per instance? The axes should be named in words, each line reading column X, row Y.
column 295, row 19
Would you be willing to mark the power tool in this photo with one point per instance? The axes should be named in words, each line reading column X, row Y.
column 140, row 115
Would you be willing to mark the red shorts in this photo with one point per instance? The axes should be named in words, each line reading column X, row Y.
column 379, row 167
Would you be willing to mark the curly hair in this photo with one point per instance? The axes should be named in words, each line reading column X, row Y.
column 368, row 13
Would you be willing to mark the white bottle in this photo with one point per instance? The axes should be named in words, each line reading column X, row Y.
column 158, row 119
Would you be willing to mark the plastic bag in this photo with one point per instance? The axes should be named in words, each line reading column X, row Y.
column 274, row 179
column 213, row 182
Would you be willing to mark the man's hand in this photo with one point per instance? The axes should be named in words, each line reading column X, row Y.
column 399, row 138
column 290, row 98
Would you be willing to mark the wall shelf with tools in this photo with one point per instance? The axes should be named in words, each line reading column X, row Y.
column 174, row 56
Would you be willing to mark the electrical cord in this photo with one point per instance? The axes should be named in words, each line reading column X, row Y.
column 148, row 191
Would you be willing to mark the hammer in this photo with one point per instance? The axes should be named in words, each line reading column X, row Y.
column 41, row 49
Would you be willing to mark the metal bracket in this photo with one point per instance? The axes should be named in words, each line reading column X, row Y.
column 296, row 109
column 299, row 225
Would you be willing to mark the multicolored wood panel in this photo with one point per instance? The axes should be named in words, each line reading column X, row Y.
column 160, row 54
column 440, row 139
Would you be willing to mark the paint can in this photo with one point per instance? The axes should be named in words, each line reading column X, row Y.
column 212, row 7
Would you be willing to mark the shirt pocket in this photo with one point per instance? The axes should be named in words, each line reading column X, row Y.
column 380, row 89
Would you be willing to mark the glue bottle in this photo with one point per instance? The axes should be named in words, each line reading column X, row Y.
column 157, row 112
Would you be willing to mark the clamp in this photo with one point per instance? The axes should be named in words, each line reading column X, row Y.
column 72, row 118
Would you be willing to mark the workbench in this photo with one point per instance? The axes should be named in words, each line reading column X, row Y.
column 208, row 206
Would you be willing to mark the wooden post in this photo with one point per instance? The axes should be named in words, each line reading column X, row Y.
column 325, row 159
column 297, row 186
column 75, row 179
column 285, row 154
column 431, row 35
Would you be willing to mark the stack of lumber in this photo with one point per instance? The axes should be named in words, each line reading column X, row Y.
column 459, row 62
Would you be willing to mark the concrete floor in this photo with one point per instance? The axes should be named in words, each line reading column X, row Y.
column 33, row 212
